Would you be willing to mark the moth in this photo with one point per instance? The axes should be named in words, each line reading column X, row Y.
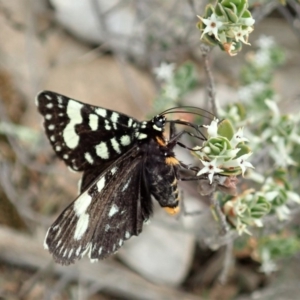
column 124, row 162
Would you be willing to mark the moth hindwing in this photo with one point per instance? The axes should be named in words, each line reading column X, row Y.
column 124, row 162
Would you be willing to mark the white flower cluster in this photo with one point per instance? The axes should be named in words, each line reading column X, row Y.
column 277, row 194
column 165, row 73
column 220, row 28
column 220, row 155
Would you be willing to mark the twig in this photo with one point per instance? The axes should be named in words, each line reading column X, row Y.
column 227, row 263
column 9, row 212
column 293, row 22
column 221, row 217
column 11, row 193
column 26, row 251
column 296, row 8
column 58, row 287
column 30, row 48
column 22, row 156
column 29, row 284
column 205, row 49
column 261, row 11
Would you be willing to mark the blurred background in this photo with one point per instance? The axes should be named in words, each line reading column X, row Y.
column 114, row 54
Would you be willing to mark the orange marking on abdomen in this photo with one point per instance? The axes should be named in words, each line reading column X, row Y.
column 172, row 210
column 172, row 161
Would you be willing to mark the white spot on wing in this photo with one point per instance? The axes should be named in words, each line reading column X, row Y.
column 88, row 248
column 102, row 150
column 125, row 140
column 58, row 232
column 48, row 97
column 70, row 253
column 107, row 227
column 65, row 253
column 114, row 117
column 52, row 138
column 89, row 158
column 121, row 242
column 126, row 185
column 127, row 235
column 81, row 226
column 51, row 127
column 142, row 136
column 101, row 184
column 78, row 250
column 49, row 105
column 107, row 125
column 65, row 156
column 100, row 250
column 82, row 203
column 113, row 170
column 93, row 121
column 48, row 117
column 114, row 209
column 115, row 145
column 130, row 122
column 101, row 112
column 58, row 148
column 59, row 99
column 73, row 112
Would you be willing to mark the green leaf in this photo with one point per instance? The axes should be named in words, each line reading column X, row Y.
column 185, row 78
column 231, row 15
column 225, row 129
column 221, row 12
column 246, row 14
column 209, row 10
column 244, row 150
column 260, row 208
column 242, row 9
column 210, row 40
column 228, row 3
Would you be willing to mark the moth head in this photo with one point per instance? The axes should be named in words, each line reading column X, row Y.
column 159, row 122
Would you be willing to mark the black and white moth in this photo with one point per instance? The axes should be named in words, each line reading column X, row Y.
column 124, row 162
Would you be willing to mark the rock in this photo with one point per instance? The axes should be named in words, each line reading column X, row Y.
column 136, row 28
column 161, row 253
column 103, row 22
